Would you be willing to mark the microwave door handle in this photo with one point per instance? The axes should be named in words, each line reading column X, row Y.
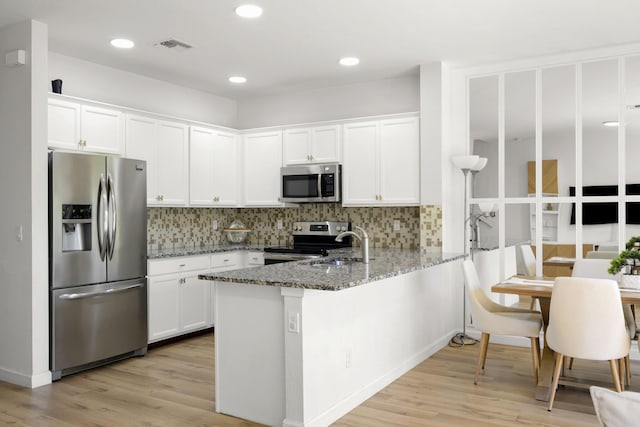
column 113, row 219
column 319, row 185
column 102, row 217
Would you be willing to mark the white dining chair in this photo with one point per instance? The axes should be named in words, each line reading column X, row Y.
column 596, row 268
column 492, row 318
column 586, row 322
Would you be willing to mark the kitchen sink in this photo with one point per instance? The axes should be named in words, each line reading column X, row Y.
column 336, row 261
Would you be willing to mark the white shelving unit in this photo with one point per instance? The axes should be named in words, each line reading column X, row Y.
column 549, row 221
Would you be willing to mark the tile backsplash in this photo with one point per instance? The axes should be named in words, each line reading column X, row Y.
column 169, row 228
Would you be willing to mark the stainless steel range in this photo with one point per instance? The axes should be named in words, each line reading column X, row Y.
column 311, row 239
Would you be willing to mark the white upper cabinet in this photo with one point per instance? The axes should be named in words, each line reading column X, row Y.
column 164, row 146
column 213, row 167
column 73, row 126
column 312, row 145
column 381, row 163
column 262, row 162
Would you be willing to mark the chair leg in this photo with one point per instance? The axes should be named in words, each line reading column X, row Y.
column 614, row 374
column 536, row 360
column 570, row 363
column 539, row 348
column 627, row 367
column 556, row 377
column 532, row 306
column 482, row 354
column 621, row 371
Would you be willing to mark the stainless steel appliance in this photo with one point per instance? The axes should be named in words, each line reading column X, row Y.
column 97, row 260
column 311, row 183
column 311, row 239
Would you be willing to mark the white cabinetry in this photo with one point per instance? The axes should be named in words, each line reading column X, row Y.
column 262, row 162
column 382, row 163
column 178, row 300
column 213, row 167
column 549, row 222
column 312, row 145
column 164, row 146
column 78, row 127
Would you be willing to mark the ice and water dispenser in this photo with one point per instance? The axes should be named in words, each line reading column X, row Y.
column 76, row 228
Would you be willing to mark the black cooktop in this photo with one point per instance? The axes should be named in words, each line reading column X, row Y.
column 297, row 250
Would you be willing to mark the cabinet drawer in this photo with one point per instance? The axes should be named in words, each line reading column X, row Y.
column 226, row 259
column 178, row 264
column 255, row 258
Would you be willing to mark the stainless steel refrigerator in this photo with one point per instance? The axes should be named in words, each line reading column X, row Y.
column 97, row 260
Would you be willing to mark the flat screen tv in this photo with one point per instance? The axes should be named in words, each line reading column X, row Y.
column 605, row 212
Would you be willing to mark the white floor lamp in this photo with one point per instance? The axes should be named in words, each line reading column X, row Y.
column 466, row 164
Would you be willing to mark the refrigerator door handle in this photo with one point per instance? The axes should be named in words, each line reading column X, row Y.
column 113, row 219
column 102, row 217
column 97, row 294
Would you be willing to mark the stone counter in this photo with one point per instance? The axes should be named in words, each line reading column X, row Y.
column 317, row 274
column 200, row 250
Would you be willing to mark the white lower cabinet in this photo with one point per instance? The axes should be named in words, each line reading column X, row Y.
column 178, row 300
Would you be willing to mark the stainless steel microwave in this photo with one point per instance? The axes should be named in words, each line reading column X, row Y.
column 311, row 183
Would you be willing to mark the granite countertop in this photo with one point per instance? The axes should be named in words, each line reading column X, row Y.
column 309, row 274
column 199, row 250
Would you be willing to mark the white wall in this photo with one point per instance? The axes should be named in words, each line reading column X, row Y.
column 379, row 97
column 24, row 345
column 100, row 83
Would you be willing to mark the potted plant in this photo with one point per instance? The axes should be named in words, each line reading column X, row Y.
column 628, row 263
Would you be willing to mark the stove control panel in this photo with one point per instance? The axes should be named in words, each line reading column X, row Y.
column 320, row 228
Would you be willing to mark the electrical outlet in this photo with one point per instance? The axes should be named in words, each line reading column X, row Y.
column 293, row 322
column 214, row 224
column 19, row 233
column 396, row 225
column 279, row 225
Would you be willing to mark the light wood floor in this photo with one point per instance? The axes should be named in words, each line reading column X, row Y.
column 173, row 386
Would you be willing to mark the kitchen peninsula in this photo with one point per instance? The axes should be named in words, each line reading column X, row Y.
column 302, row 343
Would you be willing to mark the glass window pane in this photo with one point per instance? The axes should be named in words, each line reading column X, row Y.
column 520, row 131
column 599, row 110
column 558, row 128
column 483, row 132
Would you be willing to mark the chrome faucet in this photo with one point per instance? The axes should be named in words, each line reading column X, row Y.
column 364, row 241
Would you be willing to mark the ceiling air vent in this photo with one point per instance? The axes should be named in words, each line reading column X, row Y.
column 174, row 44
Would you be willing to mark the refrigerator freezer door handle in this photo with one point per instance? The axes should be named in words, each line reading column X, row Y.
column 113, row 219
column 102, row 217
column 97, row 294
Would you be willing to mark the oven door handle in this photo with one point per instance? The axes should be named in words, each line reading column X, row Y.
column 289, row 257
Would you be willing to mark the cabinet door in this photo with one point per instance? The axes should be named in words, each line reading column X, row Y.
column 173, row 163
column 263, row 159
column 101, row 130
column 360, row 170
column 296, row 146
column 164, row 315
column 194, row 302
column 63, row 125
column 140, row 138
column 225, row 169
column 399, row 162
column 201, row 166
column 326, row 144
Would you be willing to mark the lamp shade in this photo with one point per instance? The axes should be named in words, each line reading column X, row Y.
column 465, row 162
column 480, row 164
column 486, row 207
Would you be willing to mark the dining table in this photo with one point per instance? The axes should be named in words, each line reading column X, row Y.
column 541, row 288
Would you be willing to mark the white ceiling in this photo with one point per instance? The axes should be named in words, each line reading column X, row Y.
column 296, row 44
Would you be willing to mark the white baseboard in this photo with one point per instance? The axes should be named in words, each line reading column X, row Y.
column 357, row 398
column 29, row 381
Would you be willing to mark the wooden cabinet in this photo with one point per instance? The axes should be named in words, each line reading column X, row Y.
column 320, row 144
column 213, row 167
column 262, row 163
column 164, row 147
column 179, row 302
column 79, row 127
column 382, row 163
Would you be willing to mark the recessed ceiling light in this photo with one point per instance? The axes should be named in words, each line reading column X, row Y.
column 611, row 124
column 237, row 79
column 122, row 43
column 249, row 11
column 349, row 61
